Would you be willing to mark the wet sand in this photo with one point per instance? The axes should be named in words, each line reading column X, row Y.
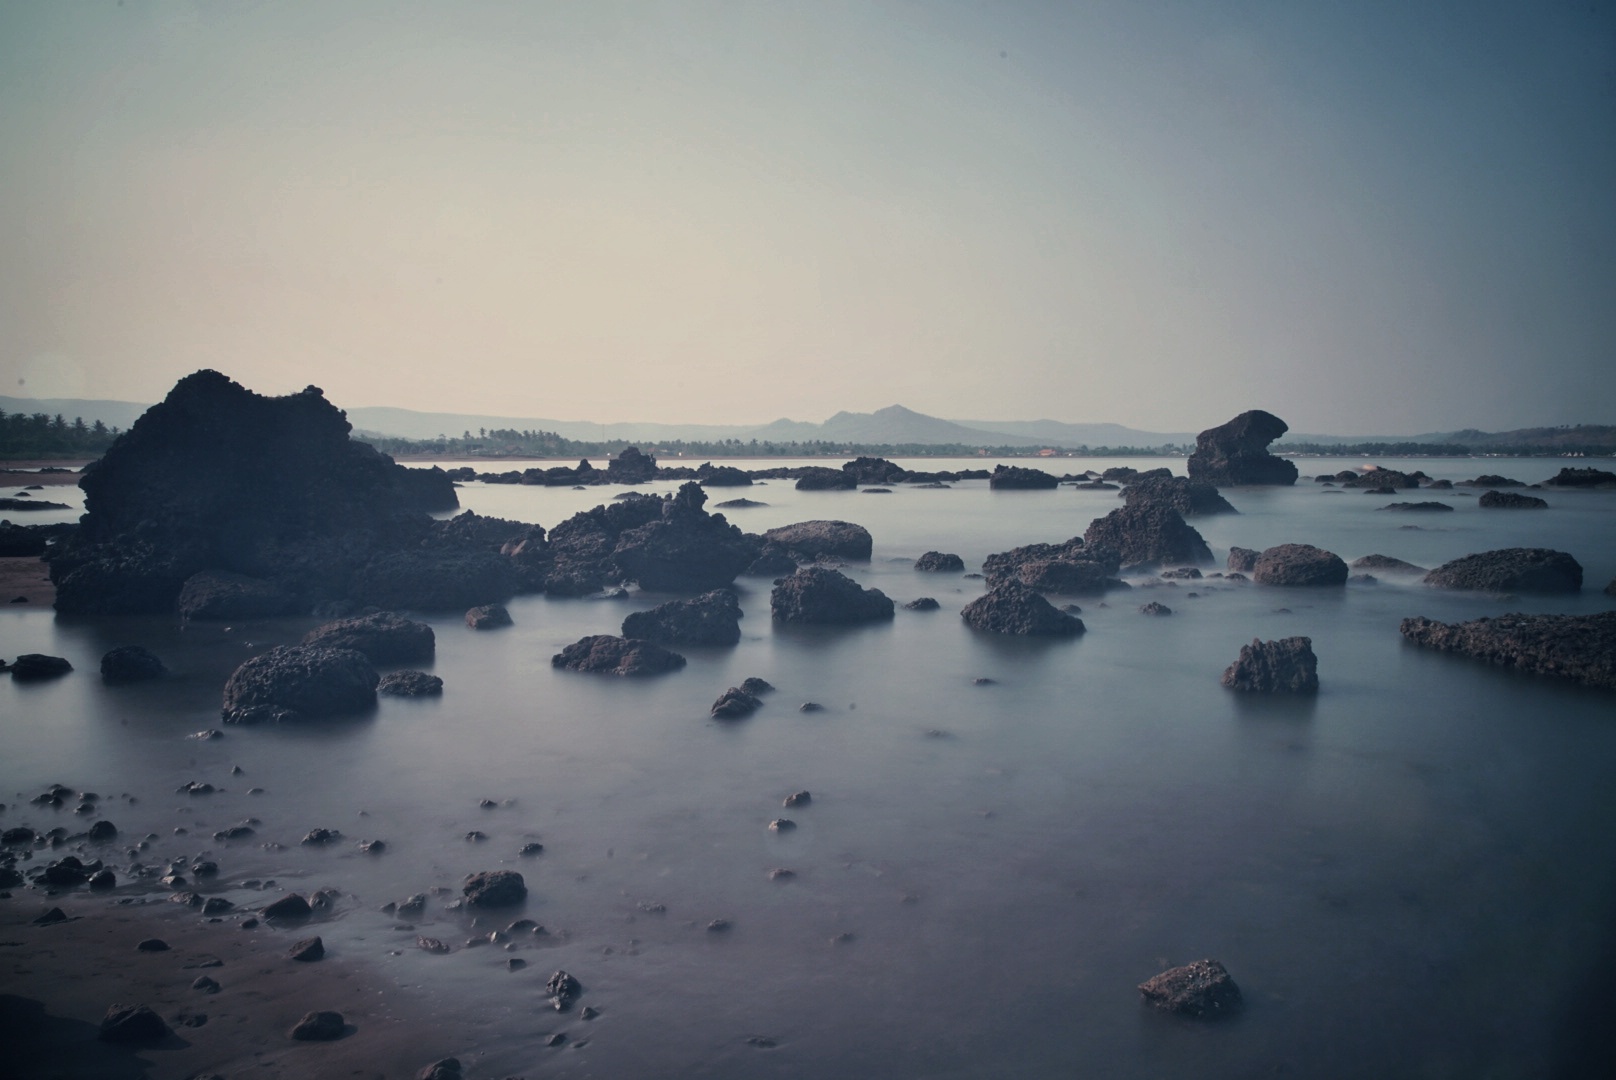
column 29, row 578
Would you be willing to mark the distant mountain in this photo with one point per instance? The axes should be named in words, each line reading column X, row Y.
column 1058, row 433
column 408, row 424
column 893, row 425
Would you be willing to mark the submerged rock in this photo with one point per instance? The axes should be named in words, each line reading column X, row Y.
column 488, row 617
column 819, row 478
column 735, row 703
column 409, row 684
column 1581, row 648
column 1286, row 666
column 1013, row 608
column 299, row 682
column 1538, row 570
column 816, row 594
column 1202, row 989
column 1237, row 452
column 1418, row 507
column 495, row 888
column 1511, row 500
column 1299, row 564
column 923, row 603
column 384, row 637
column 132, row 1024
column 611, row 655
column 131, row 663
column 940, row 562
column 1385, row 564
column 713, row 618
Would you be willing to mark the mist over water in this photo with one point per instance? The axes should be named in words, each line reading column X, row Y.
column 1408, row 875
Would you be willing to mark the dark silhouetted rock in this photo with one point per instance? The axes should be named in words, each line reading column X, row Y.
column 494, row 888
column 816, row 539
column 1072, row 568
column 1243, row 560
column 631, row 467
column 32, row 667
column 322, row 1026
column 1582, row 478
column 409, row 684
column 817, row 594
column 446, row 1069
column 922, row 603
column 819, row 478
column 1610, row 590
column 1154, row 608
column 1418, row 507
column 1146, row 534
column 1385, row 564
column 384, row 637
column 773, row 562
column 131, row 663
column 754, row 685
column 1017, row 478
column 563, row 990
column 1286, row 666
column 152, row 945
column 606, row 654
column 1511, row 500
column 1013, row 608
column 940, row 562
column 214, row 595
column 299, row 682
column 710, row 475
column 132, row 1024
column 103, row 879
column 680, row 549
column 1237, row 452
column 102, row 832
column 488, row 617
column 308, row 950
column 1299, row 564
column 713, row 618
column 735, row 703
column 1581, row 648
column 1491, row 480
column 1202, row 989
column 1189, row 497
column 1538, row 570
column 874, row 470
column 1381, row 481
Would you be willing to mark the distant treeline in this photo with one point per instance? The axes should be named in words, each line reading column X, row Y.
column 41, row 436
column 1446, row 449
column 518, row 444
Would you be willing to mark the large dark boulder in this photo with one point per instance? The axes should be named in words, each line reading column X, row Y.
column 1013, row 608
column 1581, row 648
column 131, row 663
column 1237, row 452
column 874, row 470
column 323, row 1025
column 609, row 655
column 817, row 539
column 132, row 1024
column 1582, row 478
column 1188, row 497
column 1286, row 666
column 819, row 478
column 1072, row 568
column 940, row 562
column 494, row 888
column 1146, row 534
column 1017, row 478
column 21, row 541
column 216, row 477
column 1299, row 564
column 300, row 682
column 1203, row 990
column 1538, row 570
column 214, row 595
column 1511, row 500
column 384, row 637
column 34, row 667
column 713, row 618
column 631, row 467
column 817, row 594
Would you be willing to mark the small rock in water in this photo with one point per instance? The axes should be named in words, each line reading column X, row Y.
column 798, row 798
column 132, row 1024
column 563, row 990
column 780, row 873
column 431, row 945
column 532, row 847
column 718, row 926
column 1154, row 608
column 153, row 945
column 814, row 706
column 780, row 825
column 308, row 950
column 206, row 985
column 321, row 836
column 1202, row 989
column 319, row 1027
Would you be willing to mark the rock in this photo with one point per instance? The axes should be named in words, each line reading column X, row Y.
column 1237, row 452
column 713, row 618
column 682, row 549
column 130, row 663
column 1183, row 573
column 440, row 576
column 1381, row 481
column 1148, row 534
column 445, row 1069
column 52, row 917
column 206, row 985
column 1013, row 608
column 1536, row 570
column 1582, row 478
column 300, row 682
column 1491, row 480
column 1242, row 560
column 409, row 684
column 773, row 562
column 1286, row 666
column 384, row 638
column 35, row 667
column 494, row 888
column 290, row 906
column 1610, row 590
column 816, row 594
column 103, row 880
column 735, row 703
column 780, row 825
column 322, row 1026
column 935, row 562
column 1069, row 568
column 631, row 467
column 797, row 798
column 754, row 685
column 215, row 595
column 1154, row 608
column 308, row 950
column 318, row 837
column 152, row 945
column 818, row 539
column 563, row 990
column 610, row 655
column 1420, row 507
column 132, row 1024
column 740, row 504
column 1581, row 648
column 709, row 475
column 819, row 478
column 922, row 603
column 1386, row 564
column 1189, row 497
column 1016, row 478
column 102, row 832
column 810, row 706
column 1299, row 564
column 1511, row 500
column 874, row 470
column 488, row 617
column 1202, row 989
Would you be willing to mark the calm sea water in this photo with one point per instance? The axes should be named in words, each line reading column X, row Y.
column 1409, row 875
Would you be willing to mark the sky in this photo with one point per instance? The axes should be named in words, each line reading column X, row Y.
column 1366, row 217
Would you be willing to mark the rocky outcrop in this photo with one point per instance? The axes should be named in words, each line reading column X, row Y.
column 1203, row 990
column 1582, row 478
column 665, row 544
column 819, row 478
column 817, row 594
column 1535, row 570
column 1072, row 568
column 631, row 467
column 132, row 1024
column 299, row 682
column 1237, row 452
column 874, row 470
column 1299, row 564
column 219, row 595
column 1189, row 497
column 735, row 703
column 1286, row 666
column 938, row 562
column 710, row 475
column 1377, row 479
column 1148, row 534
column 131, row 663
column 1013, row 608
column 384, row 637
column 1511, row 500
column 713, row 618
column 410, row 684
column 1491, row 480
column 1581, row 648
column 1017, row 478
column 810, row 540
column 605, row 654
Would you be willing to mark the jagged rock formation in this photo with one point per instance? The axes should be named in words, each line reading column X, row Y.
column 713, row 618
column 1581, row 648
column 817, row 594
column 1237, row 452
column 1188, row 497
column 1148, row 534
column 1017, row 478
column 1013, row 608
column 609, row 655
column 1202, row 989
column 1511, row 500
column 1073, row 568
column 1286, row 666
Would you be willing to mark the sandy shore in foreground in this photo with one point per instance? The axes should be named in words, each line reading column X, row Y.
column 56, row 982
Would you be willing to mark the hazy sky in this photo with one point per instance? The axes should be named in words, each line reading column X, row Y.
column 1366, row 217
